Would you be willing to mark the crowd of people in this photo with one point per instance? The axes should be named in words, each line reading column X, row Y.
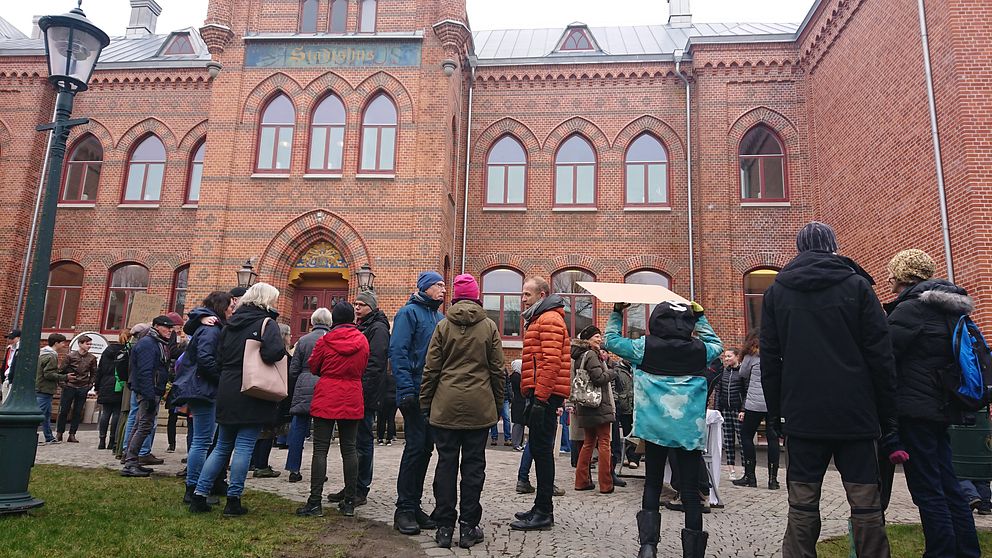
column 832, row 372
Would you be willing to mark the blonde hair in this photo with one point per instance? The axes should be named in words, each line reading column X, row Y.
column 262, row 295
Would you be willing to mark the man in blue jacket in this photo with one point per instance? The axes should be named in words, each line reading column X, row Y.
column 147, row 378
column 412, row 330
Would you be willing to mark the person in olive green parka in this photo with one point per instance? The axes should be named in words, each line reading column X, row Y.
column 47, row 381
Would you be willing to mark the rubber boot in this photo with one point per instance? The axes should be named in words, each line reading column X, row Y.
column 773, row 477
column 694, row 543
column 748, row 479
column 648, row 531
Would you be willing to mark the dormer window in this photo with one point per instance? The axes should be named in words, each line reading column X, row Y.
column 180, row 44
column 577, row 39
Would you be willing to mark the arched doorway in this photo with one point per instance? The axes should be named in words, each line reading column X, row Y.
column 319, row 279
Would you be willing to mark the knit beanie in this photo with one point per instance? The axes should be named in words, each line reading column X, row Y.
column 912, row 266
column 589, row 332
column 343, row 313
column 466, row 287
column 426, row 279
column 816, row 236
column 369, row 298
column 238, row 292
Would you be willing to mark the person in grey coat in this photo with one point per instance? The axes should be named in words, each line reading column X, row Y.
column 301, row 384
column 755, row 410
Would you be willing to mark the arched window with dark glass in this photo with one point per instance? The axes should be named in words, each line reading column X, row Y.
column 145, row 171
column 275, row 135
column 762, row 165
column 339, row 16
column 506, row 173
column 575, row 173
column 756, row 282
column 82, row 175
column 126, row 280
column 195, row 174
column 366, row 16
column 327, row 136
column 637, row 315
column 580, row 306
column 65, row 283
column 378, row 151
column 646, row 167
column 180, row 283
column 308, row 16
column 501, row 289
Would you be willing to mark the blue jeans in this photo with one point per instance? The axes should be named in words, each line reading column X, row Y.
column 45, row 404
column 364, row 443
column 566, row 439
column 146, row 448
column 948, row 525
column 236, row 439
column 504, row 413
column 978, row 489
column 526, row 460
column 299, row 429
column 204, row 423
column 417, row 451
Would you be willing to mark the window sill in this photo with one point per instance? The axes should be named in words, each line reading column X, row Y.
column 137, row 206
column 317, row 176
column 513, row 344
column 658, row 208
column 574, row 209
column 765, row 204
column 497, row 209
column 77, row 205
column 190, row 206
column 267, row 175
column 376, row 176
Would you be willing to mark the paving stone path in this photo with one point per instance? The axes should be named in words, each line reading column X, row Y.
column 587, row 524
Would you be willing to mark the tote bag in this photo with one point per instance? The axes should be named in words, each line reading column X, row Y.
column 584, row 393
column 260, row 379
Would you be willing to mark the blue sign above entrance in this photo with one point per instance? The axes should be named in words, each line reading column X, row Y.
column 340, row 54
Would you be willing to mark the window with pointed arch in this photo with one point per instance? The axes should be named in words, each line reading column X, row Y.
column 501, row 289
column 195, row 174
column 646, row 169
column 82, row 173
column 506, row 173
column 126, row 280
column 378, row 150
column 327, row 136
column 580, row 306
column 756, row 282
column 637, row 316
column 145, row 170
column 338, row 22
column 762, row 166
column 575, row 173
column 65, row 284
column 308, row 16
column 577, row 39
column 180, row 284
column 366, row 16
column 275, row 135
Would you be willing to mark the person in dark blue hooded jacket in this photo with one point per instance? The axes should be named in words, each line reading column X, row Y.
column 412, row 330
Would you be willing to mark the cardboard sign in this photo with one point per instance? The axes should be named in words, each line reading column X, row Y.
column 632, row 293
column 144, row 308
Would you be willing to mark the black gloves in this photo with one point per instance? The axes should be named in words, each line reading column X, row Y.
column 537, row 411
column 620, row 306
column 409, row 405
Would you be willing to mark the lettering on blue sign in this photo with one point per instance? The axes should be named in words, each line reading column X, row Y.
column 332, row 55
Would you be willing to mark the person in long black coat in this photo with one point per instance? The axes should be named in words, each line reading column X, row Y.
column 108, row 396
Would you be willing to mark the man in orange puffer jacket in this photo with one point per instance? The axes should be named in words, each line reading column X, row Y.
column 545, row 382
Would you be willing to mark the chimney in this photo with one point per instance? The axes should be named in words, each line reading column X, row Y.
column 35, row 28
column 144, row 14
column 679, row 14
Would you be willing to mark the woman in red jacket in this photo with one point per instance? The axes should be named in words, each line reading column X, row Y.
column 339, row 360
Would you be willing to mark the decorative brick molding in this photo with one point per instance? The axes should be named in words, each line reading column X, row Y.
column 651, row 262
column 755, row 260
column 500, row 128
column 660, row 129
column 578, row 125
column 192, row 137
column 827, row 32
column 266, row 90
column 96, row 129
column 145, row 127
column 384, row 81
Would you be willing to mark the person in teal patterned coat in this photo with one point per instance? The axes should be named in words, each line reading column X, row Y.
column 669, row 409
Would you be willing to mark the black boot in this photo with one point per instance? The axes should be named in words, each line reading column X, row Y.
column 773, row 477
column 424, row 521
column 347, row 507
column 188, row 497
column 648, row 531
column 405, row 522
column 234, row 507
column 443, row 536
column 468, row 535
column 537, row 521
column 311, row 509
column 198, row 504
column 617, row 481
column 748, row 479
column 103, row 443
column 694, row 543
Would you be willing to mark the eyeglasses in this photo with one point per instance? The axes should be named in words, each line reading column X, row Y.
column 438, row 284
column 358, row 303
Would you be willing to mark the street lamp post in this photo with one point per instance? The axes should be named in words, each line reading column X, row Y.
column 72, row 46
column 366, row 278
column 247, row 275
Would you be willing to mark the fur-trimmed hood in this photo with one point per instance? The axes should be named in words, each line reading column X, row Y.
column 940, row 294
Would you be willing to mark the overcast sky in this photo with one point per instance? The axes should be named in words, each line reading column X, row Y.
column 112, row 15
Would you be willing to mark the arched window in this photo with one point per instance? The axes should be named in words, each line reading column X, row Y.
column 126, row 280
column 575, row 173
column 762, row 162
column 379, row 136
column 275, row 135
column 506, row 172
column 366, row 17
column 82, row 175
column 327, row 136
column 195, row 173
column 65, row 282
column 580, row 307
column 308, row 16
column 637, row 315
column 180, row 282
column 577, row 39
column 339, row 16
column 145, row 171
column 755, row 284
column 647, row 172
column 501, row 290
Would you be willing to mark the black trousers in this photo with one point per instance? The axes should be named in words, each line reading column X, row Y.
column 542, row 442
column 704, row 477
column 109, row 418
column 471, row 445
column 75, row 399
column 385, row 420
column 654, row 475
column 627, row 426
column 750, row 427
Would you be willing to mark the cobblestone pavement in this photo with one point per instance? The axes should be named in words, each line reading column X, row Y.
column 587, row 524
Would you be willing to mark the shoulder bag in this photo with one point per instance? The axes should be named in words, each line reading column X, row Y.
column 260, row 379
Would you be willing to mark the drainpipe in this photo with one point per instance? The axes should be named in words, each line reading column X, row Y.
column 938, row 163
column 468, row 161
column 688, row 168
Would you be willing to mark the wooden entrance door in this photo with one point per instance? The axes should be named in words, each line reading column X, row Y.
column 305, row 301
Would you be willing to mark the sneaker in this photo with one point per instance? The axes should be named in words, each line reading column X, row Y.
column 133, row 472
column 525, row 487
column 469, row 536
column 347, row 507
column 310, row 509
column 266, row 473
column 381, row 443
column 389, row 442
column 443, row 536
column 171, row 449
column 295, row 476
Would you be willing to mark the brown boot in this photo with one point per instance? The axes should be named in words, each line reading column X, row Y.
column 72, row 439
column 58, row 437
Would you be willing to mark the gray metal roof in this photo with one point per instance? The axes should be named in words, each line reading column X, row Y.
column 528, row 46
column 124, row 52
column 8, row 31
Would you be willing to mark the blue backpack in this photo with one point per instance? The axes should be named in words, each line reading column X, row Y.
column 970, row 376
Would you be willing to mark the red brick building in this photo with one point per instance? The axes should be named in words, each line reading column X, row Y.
column 316, row 136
